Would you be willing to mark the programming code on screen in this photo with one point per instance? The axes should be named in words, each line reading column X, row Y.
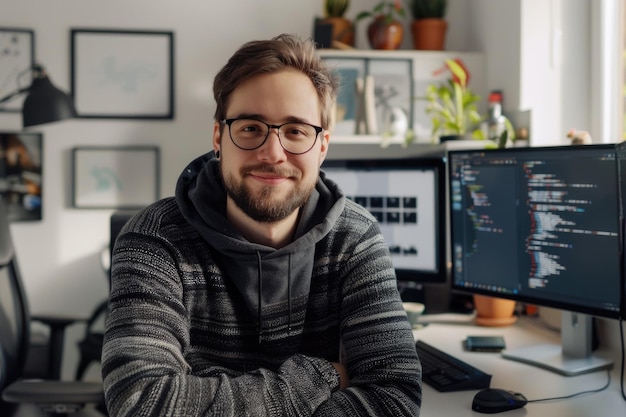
column 540, row 223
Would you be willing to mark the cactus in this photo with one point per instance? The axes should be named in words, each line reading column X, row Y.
column 423, row 9
column 336, row 8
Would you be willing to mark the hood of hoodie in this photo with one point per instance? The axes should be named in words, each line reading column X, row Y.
column 264, row 276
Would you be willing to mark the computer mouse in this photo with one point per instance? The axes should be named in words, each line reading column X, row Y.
column 496, row 400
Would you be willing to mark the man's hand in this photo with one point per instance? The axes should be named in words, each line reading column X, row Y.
column 344, row 379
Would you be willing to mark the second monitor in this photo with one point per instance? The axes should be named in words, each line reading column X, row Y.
column 540, row 225
column 407, row 197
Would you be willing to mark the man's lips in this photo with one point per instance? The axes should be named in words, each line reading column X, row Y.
column 270, row 179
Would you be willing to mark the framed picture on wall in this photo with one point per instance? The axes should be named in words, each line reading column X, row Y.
column 380, row 87
column 21, row 174
column 122, row 74
column 115, row 177
column 17, row 52
column 348, row 70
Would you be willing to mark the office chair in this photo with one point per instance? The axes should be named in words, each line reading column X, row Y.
column 26, row 397
column 90, row 346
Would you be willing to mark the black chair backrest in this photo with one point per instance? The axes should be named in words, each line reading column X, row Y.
column 14, row 315
column 117, row 221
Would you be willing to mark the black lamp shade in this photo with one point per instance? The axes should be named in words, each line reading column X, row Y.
column 45, row 103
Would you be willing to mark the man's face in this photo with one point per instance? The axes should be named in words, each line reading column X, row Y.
column 268, row 183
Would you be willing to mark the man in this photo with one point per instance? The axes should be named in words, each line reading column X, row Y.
column 259, row 290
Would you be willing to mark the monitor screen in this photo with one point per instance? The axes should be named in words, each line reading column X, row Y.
column 541, row 226
column 21, row 174
column 406, row 196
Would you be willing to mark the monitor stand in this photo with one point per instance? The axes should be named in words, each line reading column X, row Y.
column 573, row 357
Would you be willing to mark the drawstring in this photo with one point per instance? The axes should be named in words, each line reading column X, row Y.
column 289, row 297
column 260, row 272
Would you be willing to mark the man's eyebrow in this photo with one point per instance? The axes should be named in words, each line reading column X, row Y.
column 256, row 116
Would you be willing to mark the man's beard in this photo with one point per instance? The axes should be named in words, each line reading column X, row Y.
column 261, row 207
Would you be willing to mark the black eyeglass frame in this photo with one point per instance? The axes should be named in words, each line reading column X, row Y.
column 228, row 122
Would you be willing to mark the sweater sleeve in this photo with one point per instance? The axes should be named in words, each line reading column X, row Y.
column 385, row 372
column 147, row 330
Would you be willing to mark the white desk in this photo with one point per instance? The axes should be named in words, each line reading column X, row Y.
column 532, row 382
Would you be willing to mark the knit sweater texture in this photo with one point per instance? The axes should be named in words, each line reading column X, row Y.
column 202, row 322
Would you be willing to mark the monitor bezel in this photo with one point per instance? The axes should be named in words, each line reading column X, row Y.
column 551, row 303
column 437, row 165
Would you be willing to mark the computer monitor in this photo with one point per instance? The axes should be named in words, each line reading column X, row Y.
column 540, row 226
column 406, row 196
column 621, row 169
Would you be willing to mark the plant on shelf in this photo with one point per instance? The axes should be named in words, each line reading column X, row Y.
column 428, row 26
column 335, row 8
column 386, row 30
column 427, row 9
column 343, row 28
column 452, row 106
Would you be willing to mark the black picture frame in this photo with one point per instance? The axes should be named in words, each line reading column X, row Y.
column 21, row 174
column 17, row 57
column 394, row 86
column 122, row 74
column 115, row 177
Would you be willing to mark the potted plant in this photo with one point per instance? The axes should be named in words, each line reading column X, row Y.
column 385, row 31
column 428, row 26
column 343, row 28
column 452, row 106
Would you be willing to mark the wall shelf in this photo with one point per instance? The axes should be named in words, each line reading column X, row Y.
column 409, row 72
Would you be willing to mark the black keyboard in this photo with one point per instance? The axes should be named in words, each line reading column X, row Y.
column 446, row 373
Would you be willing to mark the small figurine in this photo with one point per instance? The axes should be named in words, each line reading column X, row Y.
column 579, row 137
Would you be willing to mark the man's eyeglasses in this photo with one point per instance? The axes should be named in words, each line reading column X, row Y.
column 295, row 137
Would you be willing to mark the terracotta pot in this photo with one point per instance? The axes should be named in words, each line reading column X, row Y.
column 429, row 34
column 383, row 35
column 343, row 29
column 492, row 311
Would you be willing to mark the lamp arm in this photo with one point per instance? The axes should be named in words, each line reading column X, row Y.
column 14, row 94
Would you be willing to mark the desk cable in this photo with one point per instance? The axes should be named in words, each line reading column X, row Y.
column 576, row 394
column 621, row 338
column 541, row 323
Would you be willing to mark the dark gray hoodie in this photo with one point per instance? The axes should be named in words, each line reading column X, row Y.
column 266, row 277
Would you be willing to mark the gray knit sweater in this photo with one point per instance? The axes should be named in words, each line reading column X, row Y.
column 203, row 323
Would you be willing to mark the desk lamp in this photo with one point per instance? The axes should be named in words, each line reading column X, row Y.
column 44, row 102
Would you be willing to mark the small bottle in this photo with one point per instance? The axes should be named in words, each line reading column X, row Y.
column 496, row 122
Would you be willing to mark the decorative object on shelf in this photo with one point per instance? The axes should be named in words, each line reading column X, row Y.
column 492, row 311
column 115, row 177
column 428, row 26
column 342, row 27
column 499, row 127
column 379, row 105
column 452, row 105
column 385, row 31
column 366, row 123
column 579, row 137
column 122, row 74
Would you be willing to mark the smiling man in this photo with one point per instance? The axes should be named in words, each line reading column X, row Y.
column 259, row 290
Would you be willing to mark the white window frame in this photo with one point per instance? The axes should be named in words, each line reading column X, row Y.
column 607, row 70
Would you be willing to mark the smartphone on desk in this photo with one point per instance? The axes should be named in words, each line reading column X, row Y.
column 484, row 343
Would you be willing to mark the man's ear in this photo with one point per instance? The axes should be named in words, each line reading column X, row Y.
column 325, row 143
column 217, row 137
